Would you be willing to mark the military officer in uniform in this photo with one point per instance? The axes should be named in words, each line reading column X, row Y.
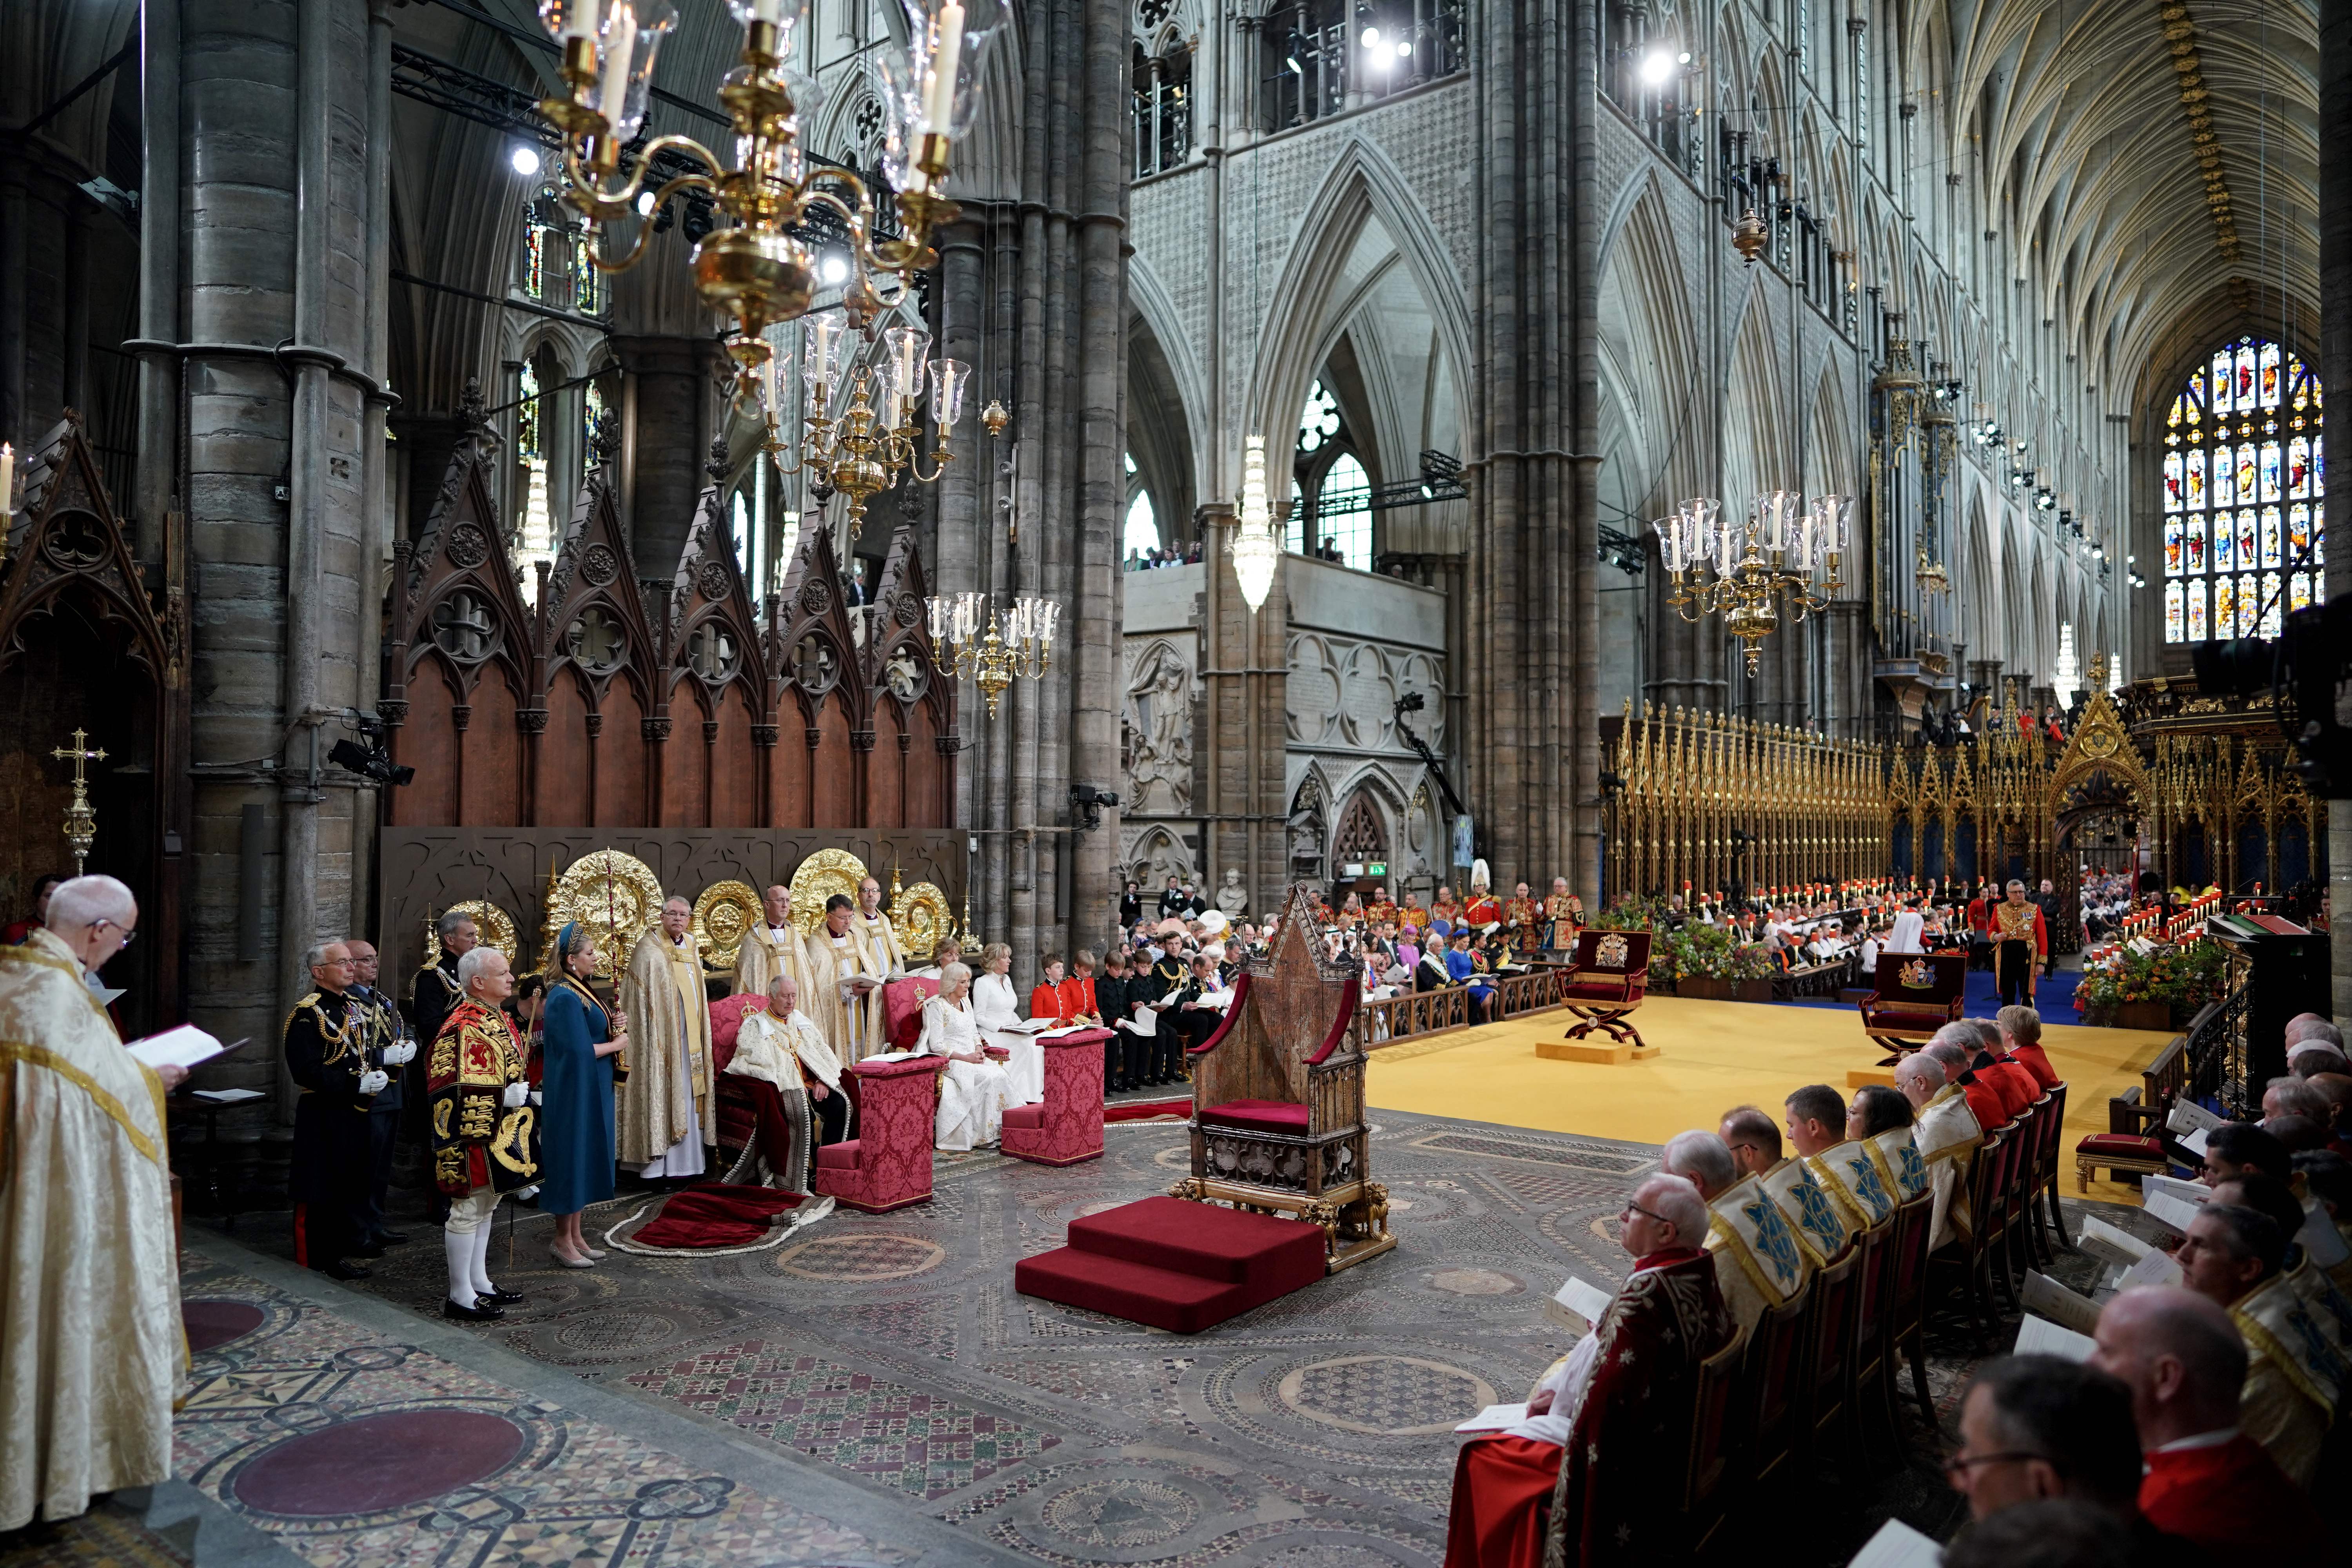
column 1159, row 985
column 435, row 995
column 326, row 1041
column 391, row 1047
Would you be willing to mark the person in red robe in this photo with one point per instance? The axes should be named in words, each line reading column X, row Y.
column 1593, row 1468
column 1046, row 997
column 2205, row 1481
column 2021, row 939
column 1077, row 995
column 1955, row 1045
column 2020, row 1038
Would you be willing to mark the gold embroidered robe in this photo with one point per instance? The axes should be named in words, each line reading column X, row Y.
column 91, row 1350
column 670, row 1048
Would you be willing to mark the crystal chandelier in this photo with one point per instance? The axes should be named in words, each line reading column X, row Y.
column 1745, row 570
column 992, row 649
column 757, row 268
column 862, row 419
column 1255, row 550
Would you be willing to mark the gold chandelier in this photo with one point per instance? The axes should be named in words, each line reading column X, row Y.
column 992, row 649
column 757, row 268
column 865, row 446
column 1782, row 553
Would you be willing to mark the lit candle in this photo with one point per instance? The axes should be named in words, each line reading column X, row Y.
column 618, row 47
column 7, row 482
column 939, row 112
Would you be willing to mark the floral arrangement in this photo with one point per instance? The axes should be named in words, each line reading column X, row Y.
column 2185, row 975
column 1712, row 953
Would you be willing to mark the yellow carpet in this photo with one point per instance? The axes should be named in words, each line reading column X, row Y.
column 1716, row 1055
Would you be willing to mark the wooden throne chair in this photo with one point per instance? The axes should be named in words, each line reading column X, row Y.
column 1605, row 983
column 1278, row 1097
column 1915, row 995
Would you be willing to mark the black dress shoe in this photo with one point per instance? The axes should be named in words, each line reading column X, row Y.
column 368, row 1250
column 390, row 1238
column 500, row 1298
column 477, row 1313
column 339, row 1269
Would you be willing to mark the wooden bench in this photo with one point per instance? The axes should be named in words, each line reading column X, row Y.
column 1411, row 1012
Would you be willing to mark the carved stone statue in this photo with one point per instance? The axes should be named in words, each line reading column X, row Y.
column 1232, row 898
column 1160, row 721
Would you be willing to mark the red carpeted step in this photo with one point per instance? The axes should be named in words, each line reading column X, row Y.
column 1204, row 1239
column 1162, row 1298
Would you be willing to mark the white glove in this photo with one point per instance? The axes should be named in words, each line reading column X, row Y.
column 515, row 1094
column 373, row 1082
column 529, row 1192
column 535, row 1097
column 401, row 1055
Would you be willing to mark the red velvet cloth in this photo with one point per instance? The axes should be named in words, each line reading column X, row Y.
column 1260, row 1115
column 1502, row 1497
column 902, row 1009
column 2233, row 1501
column 715, row 1216
column 2036, row 1060
column 1145, row 1110
column 1067, row 1126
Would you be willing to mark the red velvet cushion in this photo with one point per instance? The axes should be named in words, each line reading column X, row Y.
column 1262, row 1115
column 2128, row 1145
column 1024, row 1116
column 1609, row 990
column 842, row 1156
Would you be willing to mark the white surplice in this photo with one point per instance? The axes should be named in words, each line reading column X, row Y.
column 972, row 1095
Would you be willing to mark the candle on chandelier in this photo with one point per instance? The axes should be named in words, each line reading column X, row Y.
column 579, row 20
column 617, row 50
column 939, row 109
column 768, row 11
column 7, row 483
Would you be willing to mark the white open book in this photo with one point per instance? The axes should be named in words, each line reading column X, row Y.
column 1897, row 1546
column 184, row 1046
column 1494, row 1418
column 2039, row 1336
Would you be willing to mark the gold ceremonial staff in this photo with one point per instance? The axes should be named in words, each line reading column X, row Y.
column 82, row 821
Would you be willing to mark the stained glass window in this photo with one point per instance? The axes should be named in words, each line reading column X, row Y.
column 535, row 532
column 2244, row 466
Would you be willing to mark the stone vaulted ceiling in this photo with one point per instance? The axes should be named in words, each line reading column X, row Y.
column 2160, row 156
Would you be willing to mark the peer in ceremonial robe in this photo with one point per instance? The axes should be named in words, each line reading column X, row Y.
column 832, row 964
column 2234, row 1258
column 2020, row 1038
column 92, row 1351
column 482, row 1124
column 325, row 1041
column 773, row 945
column 1947, row 1137
column 794, row 1083
column 1592, row 1476
column 1522, row 922
column 665, row 1105
column 582, row 1041
column 1759, row 1266
column 974, row 1090
column 880, row 957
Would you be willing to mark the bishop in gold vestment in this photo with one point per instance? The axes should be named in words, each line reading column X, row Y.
column 666, row 1105
column 91, row 1350
column 774, row 945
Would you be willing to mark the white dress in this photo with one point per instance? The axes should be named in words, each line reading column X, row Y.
column 995, row 1009
column 972, row 1095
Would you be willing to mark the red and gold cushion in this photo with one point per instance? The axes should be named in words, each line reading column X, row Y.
column 2121, row 1146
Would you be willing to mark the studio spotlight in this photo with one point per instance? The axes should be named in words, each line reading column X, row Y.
column 525, row 159
column 1657, row 68
column 832, row 267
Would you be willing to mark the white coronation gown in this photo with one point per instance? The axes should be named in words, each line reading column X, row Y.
column 972, row 1095
column 995, row 1008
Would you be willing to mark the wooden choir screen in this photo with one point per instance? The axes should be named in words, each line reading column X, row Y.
column 603, row 705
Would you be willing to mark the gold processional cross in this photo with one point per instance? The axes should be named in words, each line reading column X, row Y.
column 81, row 823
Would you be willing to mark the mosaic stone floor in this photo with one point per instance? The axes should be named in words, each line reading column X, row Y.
column 873, row 1392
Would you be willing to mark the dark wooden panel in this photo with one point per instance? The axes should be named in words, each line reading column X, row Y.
column 836, row 792
column 886, row 769
column 621, row 764
column 735, row 762
column 686, row 759
column 490, row 792
column 560, row 781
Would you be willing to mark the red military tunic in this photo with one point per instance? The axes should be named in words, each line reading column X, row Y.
column 2231, row 1500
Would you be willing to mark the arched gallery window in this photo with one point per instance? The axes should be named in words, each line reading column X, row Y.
column 2243, row 477
column 535, row 529
column 1331, row 493
column 1162, row 101
column 557, row 247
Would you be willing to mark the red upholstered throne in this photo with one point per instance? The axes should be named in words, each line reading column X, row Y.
column 1917, row 994
column 1278, row 1097
column 1605, row 983
column 737, row 1117
column 1066, row 1128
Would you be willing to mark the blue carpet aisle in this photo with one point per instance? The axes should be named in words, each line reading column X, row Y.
column 2054, row 999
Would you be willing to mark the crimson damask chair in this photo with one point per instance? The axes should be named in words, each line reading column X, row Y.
column 1278, row 1097
column 736, row 1112
column 1915, row 994
column 1605, row 983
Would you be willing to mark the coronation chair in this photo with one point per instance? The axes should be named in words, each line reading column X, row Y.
column 1605, row 981
column 1916, row 993
column 1278, row 1097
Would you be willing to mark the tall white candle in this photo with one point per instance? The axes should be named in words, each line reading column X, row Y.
column 580, row 19
column 618, row 47
column 7, row 480
column 766, row 10
column 939, row 111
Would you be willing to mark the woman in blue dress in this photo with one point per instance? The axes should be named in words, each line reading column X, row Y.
column 577, row 1097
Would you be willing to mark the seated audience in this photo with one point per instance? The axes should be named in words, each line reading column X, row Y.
column 1110, row 996
column 2234, row 1257
column 1879, row 1119
column 1810, row 1213
column 1945, row 1134
column 2294, row 1096
column 2205, row 1480
column 2327, row 1306
column 1758, row 1264
column 2236, row 1147
column 1842, row 1167
column 2047, row 1533
column 1954, row 1047
column 1607, row 1429
column 2021, row 1038
column 2036, row 1428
